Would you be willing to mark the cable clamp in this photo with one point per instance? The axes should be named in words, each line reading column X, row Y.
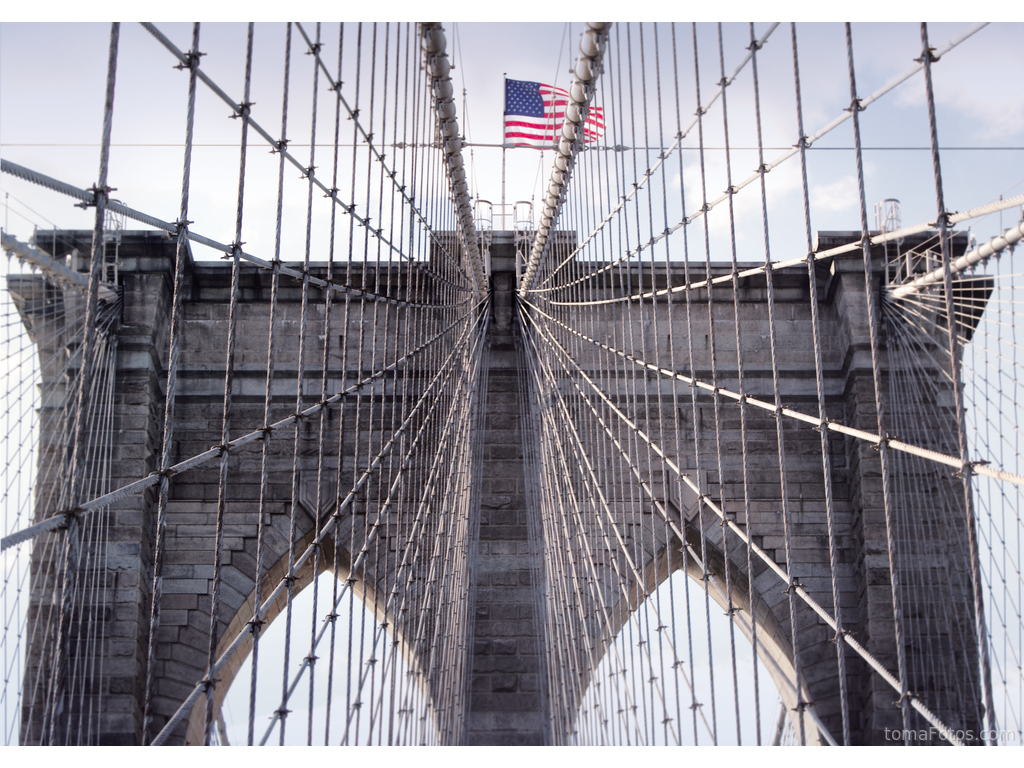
column 73, row 512
column 840, row 633
column 908, row 696
column 930, row 53
column 855, row 106
column 279, row 146
column 181, row 225
column 282, row 712
column 223, row 448
column 794, row 583
column 168, row 473
column 236, row 250
column 335, row 86
column 267, row 432
column 968, row 468
column 755, row 45
column 190, row 59
column 307, row 172
column 96, row 192
column 242, row 110
column 314, row 49
column 311, row 659
column 254, row 625
column 209, row 683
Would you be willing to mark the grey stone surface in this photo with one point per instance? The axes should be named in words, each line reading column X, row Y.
column 508, row 685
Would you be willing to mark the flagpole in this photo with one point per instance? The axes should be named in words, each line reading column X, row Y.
column 504, row 80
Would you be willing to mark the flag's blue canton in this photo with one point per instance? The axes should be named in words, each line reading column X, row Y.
column 523, row 98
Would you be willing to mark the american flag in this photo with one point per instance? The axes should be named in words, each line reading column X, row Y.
column 534, row 113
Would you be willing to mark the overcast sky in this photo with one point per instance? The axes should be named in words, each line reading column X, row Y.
column 51, row 96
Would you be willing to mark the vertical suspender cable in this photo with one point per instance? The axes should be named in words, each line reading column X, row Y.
column 222, row 482
column 182, row 255
column 958, row 395
column 581, row 92
column 869, row 297
column 90, row 333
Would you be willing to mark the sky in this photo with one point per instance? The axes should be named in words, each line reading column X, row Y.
column 62, row 66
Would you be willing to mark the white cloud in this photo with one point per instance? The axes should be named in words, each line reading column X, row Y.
column 839, row 195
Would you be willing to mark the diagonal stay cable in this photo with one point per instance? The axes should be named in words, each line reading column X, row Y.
column 53, row 269
column 282, row 146
column 460, row 438
column 59, row 519
column 665, row 155
column 898, row 80
column 88, row 198
column 595, row 484
column 582, row 457
column 996, row 244
column 781, row 572
column 898, row 445
column 357, row 563
column 385, row 450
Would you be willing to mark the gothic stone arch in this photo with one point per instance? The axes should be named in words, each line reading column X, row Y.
column 505, row 705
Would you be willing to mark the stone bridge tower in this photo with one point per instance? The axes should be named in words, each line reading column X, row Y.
column 506, row 703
